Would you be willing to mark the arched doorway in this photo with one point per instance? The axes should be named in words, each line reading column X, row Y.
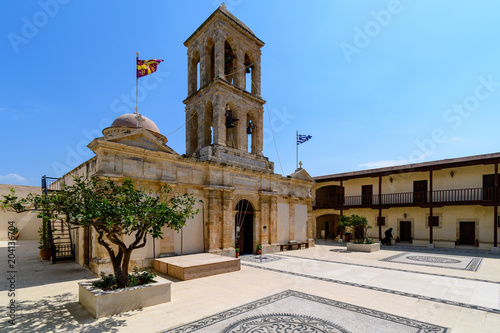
column 243, row 222
column 327, row 226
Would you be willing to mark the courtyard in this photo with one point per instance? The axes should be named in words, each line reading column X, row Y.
column 397, row 289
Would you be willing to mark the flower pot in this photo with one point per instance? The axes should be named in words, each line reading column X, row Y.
column 16, row 236
column 237, row 254
column 258, row 252
column 100, row 303
column 45, row 254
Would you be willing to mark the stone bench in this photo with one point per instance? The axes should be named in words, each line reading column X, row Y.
column 297, row 245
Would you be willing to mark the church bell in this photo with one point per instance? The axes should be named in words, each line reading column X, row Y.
column 230, row 120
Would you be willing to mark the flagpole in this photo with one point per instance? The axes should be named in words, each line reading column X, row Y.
column 136, row 84
column 297, row 154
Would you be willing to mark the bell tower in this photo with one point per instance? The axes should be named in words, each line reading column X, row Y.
column 224, row 109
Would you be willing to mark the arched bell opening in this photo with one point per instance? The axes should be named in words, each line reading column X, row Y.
column 229, row 62
column 232, row 138
column 243, row 223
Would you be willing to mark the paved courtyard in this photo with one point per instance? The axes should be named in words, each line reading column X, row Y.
column 397, row 289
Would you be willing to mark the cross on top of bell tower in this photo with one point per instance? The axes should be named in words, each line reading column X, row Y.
column 224, row 109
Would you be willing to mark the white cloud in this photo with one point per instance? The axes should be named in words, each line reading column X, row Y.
column 383, row 164
column 13, row 178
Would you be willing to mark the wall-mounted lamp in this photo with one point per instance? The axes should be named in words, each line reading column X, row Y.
column 391, row 180
column 265, row 228
column 452, row 174
column 404, row 215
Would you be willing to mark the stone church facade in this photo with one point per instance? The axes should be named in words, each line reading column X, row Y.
column 243, row 202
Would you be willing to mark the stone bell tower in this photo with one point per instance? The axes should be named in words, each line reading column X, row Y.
column 224, row 109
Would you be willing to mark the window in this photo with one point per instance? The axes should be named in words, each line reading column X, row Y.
column 380, row 220
column 434, row 220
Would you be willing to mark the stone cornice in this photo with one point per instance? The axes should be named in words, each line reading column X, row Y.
column 219, row 82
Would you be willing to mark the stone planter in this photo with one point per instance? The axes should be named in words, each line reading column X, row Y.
column 100, row 303
column 363, row 247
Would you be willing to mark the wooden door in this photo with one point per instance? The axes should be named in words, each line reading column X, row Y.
column 420, row 191
column 467, row 233
column 248, row 233
column 488, row 187
column 405, row 231
column 366, row 194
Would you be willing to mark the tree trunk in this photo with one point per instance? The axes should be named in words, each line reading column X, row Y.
column 122, row 277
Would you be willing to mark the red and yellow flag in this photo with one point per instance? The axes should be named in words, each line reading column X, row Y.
column 146, row 67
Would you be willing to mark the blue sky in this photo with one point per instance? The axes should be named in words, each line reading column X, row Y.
column 376, row 83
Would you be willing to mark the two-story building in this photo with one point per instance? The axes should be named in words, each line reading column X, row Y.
column 446, row 203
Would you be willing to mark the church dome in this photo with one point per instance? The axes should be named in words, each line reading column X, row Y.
column 129, row 120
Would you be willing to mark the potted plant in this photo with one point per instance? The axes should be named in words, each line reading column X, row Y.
column 259, row 249
column 476, row 243
column 44, row 241
column 237, row 252
column 363, row 244
column 15, row 233
column 457, row 242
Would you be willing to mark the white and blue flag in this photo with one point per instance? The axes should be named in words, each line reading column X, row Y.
column 301, row 138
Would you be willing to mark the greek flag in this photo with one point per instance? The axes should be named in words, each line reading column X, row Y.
column 301, row 138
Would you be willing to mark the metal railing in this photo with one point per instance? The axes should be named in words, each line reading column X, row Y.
column 455, row 196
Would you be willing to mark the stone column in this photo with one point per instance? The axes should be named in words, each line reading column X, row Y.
column 291, row 212
column 273, row 219
column 264, row 217
column 241, row 131
column 256, row 76
column 201, row 126
column 203, row 69
column 240, row 73
column 219, row 134
column 228, row 220
column 219, row 55
column 259, row 132
column 214, row 220
column 310, row 223
column 257, row 229
column 191, row 74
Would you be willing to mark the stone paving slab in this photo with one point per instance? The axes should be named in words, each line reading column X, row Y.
column 47, row 299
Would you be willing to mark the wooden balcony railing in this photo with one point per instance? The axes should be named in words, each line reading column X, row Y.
column 467, row 196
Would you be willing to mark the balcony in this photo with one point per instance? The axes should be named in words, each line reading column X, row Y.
column 468, row 196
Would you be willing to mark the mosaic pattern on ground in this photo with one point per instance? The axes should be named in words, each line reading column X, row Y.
column 274, row 322
column 261, row 259
column 441, row 260
column 294, row 311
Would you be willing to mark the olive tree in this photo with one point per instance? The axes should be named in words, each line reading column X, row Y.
column 115, row 210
